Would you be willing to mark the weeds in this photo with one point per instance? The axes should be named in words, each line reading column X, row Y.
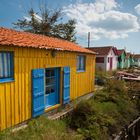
column 106, row 113
column 42, row 129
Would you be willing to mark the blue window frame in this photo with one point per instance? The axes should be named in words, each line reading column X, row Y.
column 50, row 81
column 6, row 66
column 52, row 87
column 81, row 63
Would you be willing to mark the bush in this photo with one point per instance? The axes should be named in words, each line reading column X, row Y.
column 104, row 114
column 89, row 120
column 117, row 86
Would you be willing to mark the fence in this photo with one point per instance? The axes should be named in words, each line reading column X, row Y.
column 131, row 132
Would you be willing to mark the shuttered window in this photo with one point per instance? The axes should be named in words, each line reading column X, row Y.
column 81, row 63
column 6, row 66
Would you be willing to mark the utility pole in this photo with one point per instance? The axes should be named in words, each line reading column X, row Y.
column 88, row 39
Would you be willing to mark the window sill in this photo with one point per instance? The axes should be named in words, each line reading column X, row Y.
column 79, row 71
column 6, row 80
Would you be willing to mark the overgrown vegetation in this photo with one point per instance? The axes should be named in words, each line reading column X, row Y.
column 106, row 113
column 42, row 129
column 98, row 118
column 102, row 76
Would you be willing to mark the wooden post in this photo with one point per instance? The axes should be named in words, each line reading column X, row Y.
column 88, row 39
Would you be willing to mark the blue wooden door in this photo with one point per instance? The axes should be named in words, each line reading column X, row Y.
column 52, row 87
column 38, row 92
column 66, row 85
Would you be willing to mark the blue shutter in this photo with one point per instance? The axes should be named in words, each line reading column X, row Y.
column 66, row 85
column 38, row 92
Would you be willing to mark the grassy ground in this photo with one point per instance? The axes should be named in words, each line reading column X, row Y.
column 42, row 129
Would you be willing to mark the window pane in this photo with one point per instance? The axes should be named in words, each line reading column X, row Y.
column 48, row 73
column 52, row 72
column 79, row 66
column 9, row 65
column 99, row 59
column 6, row 65
column 1, row 67
column 52, row 80
column 47, row 81
column 52, row 89
column 108, row 59
column 80, row 62
column 48, row 90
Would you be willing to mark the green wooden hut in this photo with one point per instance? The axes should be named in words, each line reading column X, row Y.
column 121, row 58
column 129, row 61
column 137, row 60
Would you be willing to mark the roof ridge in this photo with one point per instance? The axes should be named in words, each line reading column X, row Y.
column 102, row 47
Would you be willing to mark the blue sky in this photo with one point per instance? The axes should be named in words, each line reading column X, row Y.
column 111, row 22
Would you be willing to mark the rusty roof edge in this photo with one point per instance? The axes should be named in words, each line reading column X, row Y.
column 48, row 48
column 60, row 49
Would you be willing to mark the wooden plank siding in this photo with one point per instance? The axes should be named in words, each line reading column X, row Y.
column 15, row 97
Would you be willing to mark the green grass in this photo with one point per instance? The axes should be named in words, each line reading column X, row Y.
column 42, row 129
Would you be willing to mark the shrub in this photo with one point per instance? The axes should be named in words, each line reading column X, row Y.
column 106, row 113
column 117, row 86
column 88, row 119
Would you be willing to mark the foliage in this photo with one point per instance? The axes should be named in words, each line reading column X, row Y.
column 41, row 129
column 106, row 113
column 134, row 92
column 89, row 121
column 117, row 86
column 103, row 76
column 48, row 23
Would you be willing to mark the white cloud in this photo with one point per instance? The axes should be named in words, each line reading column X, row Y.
column 27, row 18
column 137, row 9
column 37, row 17
column 102, row 19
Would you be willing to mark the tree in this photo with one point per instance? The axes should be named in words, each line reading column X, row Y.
column 49, row 24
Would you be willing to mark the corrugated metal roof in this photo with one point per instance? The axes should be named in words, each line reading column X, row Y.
column 23, row 39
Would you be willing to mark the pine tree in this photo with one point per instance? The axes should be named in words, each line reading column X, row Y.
column 49, row 23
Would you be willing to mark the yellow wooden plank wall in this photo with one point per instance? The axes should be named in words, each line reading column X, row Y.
column 15, row 97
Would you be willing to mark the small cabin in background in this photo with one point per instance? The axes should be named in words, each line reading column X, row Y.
column 129, row 61
column 40, row 73
column 121, row 58
column 106, row 58
column 137, row 60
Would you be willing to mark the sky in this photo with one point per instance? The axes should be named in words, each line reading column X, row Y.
column 110, row 22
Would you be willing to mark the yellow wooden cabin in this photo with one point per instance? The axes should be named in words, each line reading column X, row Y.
column 39, row 73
